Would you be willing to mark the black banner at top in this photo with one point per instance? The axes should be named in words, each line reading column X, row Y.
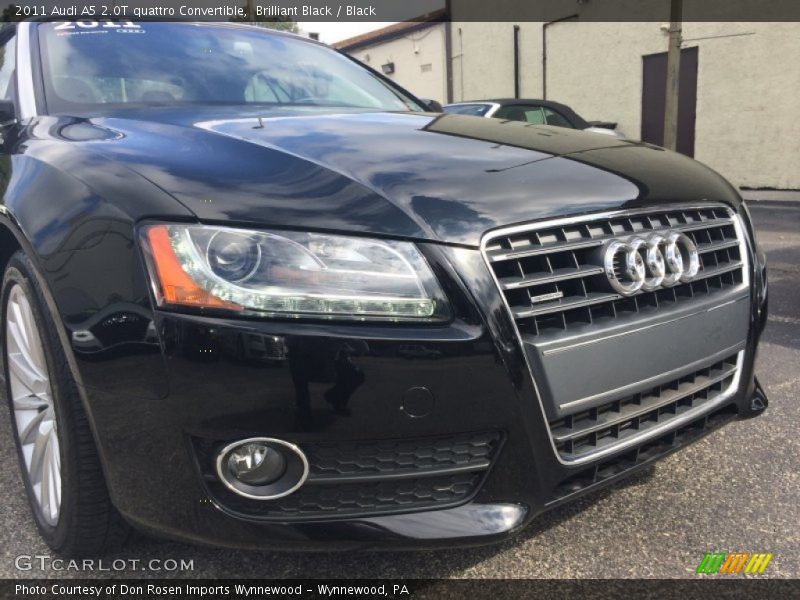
column 405, row 10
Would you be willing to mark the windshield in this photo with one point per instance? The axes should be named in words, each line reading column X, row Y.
column 95, row 65
column 476, row 110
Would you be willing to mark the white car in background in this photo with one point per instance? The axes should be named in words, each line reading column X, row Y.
column 537, row 112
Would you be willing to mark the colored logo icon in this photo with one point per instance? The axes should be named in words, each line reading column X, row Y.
column 734, row 563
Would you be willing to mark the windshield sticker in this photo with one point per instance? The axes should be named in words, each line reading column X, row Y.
column 94, row 27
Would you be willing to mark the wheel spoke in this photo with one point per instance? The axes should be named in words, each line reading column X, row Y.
column 35, row 343
column 44, row 492
column 39, row 456
column 31, row 402
column 32, row 432
column 53, row 477
column 16, row 319
column 56, row 456
column 26, row 373
column 17, row 342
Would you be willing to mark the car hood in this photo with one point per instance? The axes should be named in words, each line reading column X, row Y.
column 447, row 178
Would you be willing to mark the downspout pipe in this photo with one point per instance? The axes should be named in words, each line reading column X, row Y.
column 448, row 60
column 448, row 51
column 516, row 61
column 544, row 50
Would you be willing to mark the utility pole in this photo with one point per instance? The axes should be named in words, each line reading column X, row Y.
column 673, row 76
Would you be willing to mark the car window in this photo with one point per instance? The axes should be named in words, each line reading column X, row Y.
column 556, row 119
column 8, row 62
column 521, row 112
column 113, row 90
column 476, row 110
column 94, row 64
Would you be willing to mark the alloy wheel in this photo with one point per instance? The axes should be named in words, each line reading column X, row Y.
column 32, row 401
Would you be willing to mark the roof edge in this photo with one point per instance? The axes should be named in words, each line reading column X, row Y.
column 392, row 31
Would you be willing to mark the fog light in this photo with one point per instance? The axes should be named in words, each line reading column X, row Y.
column 256, row 463
column 262, row 468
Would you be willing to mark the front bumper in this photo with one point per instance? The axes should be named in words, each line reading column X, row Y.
column 346, row 385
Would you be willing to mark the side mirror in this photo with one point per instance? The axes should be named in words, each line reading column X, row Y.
column 8, row 113
column 432, row 105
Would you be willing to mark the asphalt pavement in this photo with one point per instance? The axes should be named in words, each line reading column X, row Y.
column 737, row 490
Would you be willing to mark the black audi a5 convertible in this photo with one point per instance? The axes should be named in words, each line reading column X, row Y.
column 255, row 295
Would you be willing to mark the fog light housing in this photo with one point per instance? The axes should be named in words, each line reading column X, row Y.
column 262, row 468
column 256, row 463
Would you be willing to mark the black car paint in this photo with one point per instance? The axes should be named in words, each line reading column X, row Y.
column 75, row 190
column 442, row 178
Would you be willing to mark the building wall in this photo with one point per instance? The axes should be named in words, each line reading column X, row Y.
column 483, row 60
column 748, row 79
column 419, row 61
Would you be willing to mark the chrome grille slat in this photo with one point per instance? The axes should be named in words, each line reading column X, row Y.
column 721, row 270
column 714, row 246
column 562, row 305
column 510, row 283
column 498, row 256
column 697, row 226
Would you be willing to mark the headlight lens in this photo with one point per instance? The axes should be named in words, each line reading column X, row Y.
column 291, row 274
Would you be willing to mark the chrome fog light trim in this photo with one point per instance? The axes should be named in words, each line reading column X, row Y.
column 294, row 474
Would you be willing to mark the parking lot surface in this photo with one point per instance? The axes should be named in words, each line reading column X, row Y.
column 735, row 491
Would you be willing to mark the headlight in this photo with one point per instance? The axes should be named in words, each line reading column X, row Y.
column 291, row 274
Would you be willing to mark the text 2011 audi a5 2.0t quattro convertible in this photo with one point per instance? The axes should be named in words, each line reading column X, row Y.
column 255, row 295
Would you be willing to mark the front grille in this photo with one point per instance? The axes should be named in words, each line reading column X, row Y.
column 337, row 462
column 552, row 278
column 356, row 499
column 370, row 477
column 588, row 432
column 554, row 285
column 646, row 453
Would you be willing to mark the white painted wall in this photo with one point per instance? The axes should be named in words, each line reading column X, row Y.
column 483, row 60
column 748, row 98
column 410, row 53
column 748, row 104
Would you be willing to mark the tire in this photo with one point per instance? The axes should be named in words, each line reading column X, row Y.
column 73, row 511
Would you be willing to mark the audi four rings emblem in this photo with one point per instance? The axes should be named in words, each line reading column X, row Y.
column 659, row 260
